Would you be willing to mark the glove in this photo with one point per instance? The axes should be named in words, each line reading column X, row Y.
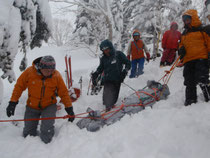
column 181, row 52
column 70, row 112
column 94, row 77
column 11, row 108
column 129, row 57
column 123, row 75
column 209, row 59
column 148, row 56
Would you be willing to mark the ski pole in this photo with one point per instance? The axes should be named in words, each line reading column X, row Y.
column 67, row 72
column 80, row 82
column 129, row 87
column 89, row 86
column 70, row 73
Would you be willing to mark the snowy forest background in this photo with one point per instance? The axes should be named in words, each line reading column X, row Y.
column 25, row 24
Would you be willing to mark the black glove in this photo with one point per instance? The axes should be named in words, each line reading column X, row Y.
column 123, row 75
column 181, row 52
column 11, row 108
column 94, row 77
column 70, row 112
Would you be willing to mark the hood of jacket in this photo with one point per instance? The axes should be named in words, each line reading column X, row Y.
column 172, row 24
column 195, row 19
column 107, row 43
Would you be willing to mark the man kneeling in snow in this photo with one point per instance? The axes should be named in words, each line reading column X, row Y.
column 42, row 81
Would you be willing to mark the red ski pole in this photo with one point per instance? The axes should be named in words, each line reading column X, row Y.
column 70, row 74
column 67, row 72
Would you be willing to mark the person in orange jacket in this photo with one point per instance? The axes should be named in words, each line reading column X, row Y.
column 194, row 48
column 43, row 83
column 136, row 51
column 170, row 44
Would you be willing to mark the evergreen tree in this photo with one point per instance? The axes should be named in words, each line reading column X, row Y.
column 29, row 25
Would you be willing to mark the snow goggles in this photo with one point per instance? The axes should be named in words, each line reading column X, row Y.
column 186, row 17
column 104, row 48
column 136, row 34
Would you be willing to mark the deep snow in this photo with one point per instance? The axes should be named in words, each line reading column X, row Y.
column 168, row 130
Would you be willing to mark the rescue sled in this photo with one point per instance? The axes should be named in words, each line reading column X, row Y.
column 134, row 103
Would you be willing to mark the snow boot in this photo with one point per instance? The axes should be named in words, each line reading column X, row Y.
column 190, row 95
column 162, row 64
column 168, row 63
column 206, row 91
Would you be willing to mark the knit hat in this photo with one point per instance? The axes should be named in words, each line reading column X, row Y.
column 47, row 62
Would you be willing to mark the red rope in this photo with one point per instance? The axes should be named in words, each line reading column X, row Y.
column 113, row 111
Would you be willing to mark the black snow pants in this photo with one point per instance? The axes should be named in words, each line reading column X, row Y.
column 196, row 72
column 110, row 94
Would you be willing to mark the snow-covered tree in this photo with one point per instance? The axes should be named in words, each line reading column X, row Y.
column 62, row 32
column 98, row 20
column 1, row 90
column 117, row 12
column 150, row 16
column 128, row 7
column 23, row 24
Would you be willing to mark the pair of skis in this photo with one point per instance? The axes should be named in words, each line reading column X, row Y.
column 74, row 93
column 68, row 71
column 95, row 86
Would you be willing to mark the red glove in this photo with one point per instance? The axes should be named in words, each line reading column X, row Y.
column 148, row 56
column 129, row 57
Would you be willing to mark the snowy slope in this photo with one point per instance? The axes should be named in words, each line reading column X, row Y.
column 168, row 130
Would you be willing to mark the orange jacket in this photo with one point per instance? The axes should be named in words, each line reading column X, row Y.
column 196, row 43
column 137, row 48
column 41, row 92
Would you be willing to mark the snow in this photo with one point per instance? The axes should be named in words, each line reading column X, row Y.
column 168, row 130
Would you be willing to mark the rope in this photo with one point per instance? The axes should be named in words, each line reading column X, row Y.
column 114, row 110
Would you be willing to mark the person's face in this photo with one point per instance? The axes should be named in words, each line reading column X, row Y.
column 174, row 27
column 187, row 22
column 136, row 38
column 47, row 72
column 107, row 52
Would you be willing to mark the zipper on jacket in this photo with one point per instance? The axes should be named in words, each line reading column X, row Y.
column 42, row 93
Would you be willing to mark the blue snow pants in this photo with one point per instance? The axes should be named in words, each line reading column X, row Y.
column 47, row 126
column 137, row 67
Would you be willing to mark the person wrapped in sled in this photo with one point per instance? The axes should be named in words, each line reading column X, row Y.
column 132, row 104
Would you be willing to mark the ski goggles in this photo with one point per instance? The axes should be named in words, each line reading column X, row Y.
column 186, row 17
column 104, row 48
column 136, row 34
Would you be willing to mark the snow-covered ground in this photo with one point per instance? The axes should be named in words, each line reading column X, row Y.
column 168, row 130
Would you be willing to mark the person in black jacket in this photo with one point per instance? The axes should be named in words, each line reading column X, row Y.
column 115, row 66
